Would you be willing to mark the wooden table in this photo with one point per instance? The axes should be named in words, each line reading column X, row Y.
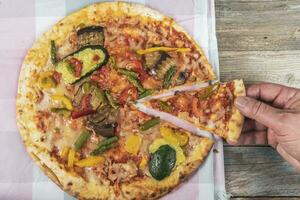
column 259, row 40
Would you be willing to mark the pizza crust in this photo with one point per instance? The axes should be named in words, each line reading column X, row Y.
column 236, row 121
column 147, row 188
column 150, row 188
column 38, row 56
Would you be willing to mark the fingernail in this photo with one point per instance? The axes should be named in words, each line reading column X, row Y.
column 241, row 102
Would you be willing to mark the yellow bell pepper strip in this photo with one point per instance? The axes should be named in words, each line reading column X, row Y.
column 71, row 158
column 182, row 138
column 133, row 144
column 169, row 135
column 46, row 80
column 143, row 162
column 178, row 138
column 65, row 100
column 64, row 153
column 90, row 161
column 166, row 49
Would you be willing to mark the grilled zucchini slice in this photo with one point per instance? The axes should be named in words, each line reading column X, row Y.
column 91, row 57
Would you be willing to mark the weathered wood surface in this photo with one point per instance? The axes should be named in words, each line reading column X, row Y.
column 256, row 66
column 259, row 40
column 259, row 171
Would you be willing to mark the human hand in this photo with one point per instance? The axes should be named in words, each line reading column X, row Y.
column 273, row 117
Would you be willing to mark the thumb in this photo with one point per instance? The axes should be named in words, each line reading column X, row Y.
column 259, row 111
column 288, row 157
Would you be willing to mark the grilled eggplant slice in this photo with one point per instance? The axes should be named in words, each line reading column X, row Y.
column 164, row 67
column 91, row 35
column 182, row 77
column 106, row 129
column 153, row 59
column 91, row 58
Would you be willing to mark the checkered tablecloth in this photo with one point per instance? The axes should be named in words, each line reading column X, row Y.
column 21, row 22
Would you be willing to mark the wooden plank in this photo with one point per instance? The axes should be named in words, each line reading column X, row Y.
column 255, row 66
column 259, row 171
column 267, row 198
column 258, row 25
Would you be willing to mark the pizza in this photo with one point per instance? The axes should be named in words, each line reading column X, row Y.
column 76, row 102
column 210, row 108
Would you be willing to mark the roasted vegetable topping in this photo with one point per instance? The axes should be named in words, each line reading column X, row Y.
column 182, row 78
column 105, row 144
column 106, row 129
column 208, row 91
column 98, row 98
column 46, row 80
column 164, row 106
column 150, row 123
column 64, row 153
column 162, row 162
column 53, row 52
column 81, row 113
column 132, row 144
column 168, row 76
column 61, row 111
column 111, row 100
column 90, row 161
column 81, row 140
column 182, row 137
column 166, row 49
column 146, row 93
column 84, row 64
column 178, row 138
column 91, row 35
column 163, row 67
column 154, row 59
column 64, row 100
column 133, row 78
column 71, row 158
column 56, row 77
column 129, row 94
column 77, row 65
column 127, row 72
column 87, row 87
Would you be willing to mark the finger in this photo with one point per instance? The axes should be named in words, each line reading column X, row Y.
column 259, row 111
column 272, row 140
column 279, row 95
column 288, row 157
column 248, row 125
column 251, row 124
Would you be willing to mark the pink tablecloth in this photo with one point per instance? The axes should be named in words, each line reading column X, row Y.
column 21, row 22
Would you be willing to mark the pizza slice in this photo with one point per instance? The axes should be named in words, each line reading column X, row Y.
column 166, row 154
column 210, row 108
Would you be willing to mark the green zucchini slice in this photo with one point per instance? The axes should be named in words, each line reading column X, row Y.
column 91, row 57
